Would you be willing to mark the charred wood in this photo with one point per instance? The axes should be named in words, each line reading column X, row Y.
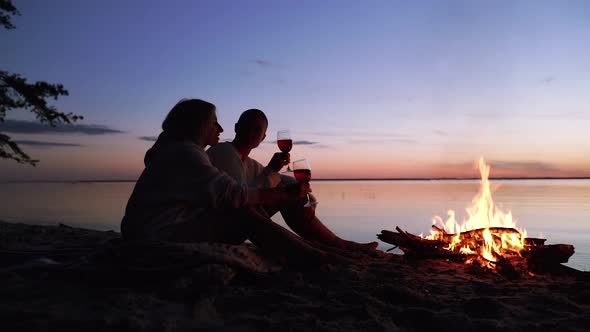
column 536, row 256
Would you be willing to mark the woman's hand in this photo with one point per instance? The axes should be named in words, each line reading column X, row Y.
column 298, row 190
column 304, row 189
column 279, row 160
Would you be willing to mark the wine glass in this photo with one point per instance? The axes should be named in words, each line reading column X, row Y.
column 285, row 143
column 302, row 173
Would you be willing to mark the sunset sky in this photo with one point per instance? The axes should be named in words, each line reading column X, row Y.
column 369, row 89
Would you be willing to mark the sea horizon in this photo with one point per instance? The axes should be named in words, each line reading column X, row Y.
column 325, row 179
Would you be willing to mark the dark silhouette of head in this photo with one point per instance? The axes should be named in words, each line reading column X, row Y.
column 187, row 119
column 251, row 127
column 249, row 117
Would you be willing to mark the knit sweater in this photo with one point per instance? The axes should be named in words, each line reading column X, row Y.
column 179, row 184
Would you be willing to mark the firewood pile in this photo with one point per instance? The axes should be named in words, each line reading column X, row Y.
column 535, row 257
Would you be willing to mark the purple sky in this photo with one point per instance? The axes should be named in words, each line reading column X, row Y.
column 375, row 89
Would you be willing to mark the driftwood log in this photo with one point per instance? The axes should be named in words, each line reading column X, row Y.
column 536, row 255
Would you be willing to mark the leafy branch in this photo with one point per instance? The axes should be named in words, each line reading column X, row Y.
column 16, row 93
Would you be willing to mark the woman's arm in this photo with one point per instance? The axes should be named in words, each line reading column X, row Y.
column 221, row 190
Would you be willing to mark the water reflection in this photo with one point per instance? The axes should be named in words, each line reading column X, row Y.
column 554, row 209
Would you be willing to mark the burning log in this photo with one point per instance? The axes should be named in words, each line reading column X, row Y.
column 413, row 245
column 476, row 233
column 537, row 256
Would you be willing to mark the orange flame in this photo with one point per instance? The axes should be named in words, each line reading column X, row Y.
column 483, row 214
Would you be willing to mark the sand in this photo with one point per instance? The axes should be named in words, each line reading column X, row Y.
column 212, row 287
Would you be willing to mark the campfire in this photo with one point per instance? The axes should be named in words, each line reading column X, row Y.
column 487, row 238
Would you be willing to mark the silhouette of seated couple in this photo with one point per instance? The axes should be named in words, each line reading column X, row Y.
column 187, row 194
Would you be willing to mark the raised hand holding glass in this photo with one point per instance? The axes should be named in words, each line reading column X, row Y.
column 285, row 142
column 302, row 173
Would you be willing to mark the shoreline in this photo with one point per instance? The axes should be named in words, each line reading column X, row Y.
column 383, row 246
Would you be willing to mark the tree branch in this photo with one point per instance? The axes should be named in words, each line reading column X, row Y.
column 10, row 150
column 16, row 93
column 7, row 9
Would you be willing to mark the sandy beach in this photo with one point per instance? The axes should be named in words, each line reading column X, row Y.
column 65, row 278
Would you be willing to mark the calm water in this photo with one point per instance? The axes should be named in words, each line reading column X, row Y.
column 557, row 210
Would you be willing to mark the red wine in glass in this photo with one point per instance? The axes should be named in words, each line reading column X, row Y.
column 285, row 145
column 285, row 142
column 302, row 175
